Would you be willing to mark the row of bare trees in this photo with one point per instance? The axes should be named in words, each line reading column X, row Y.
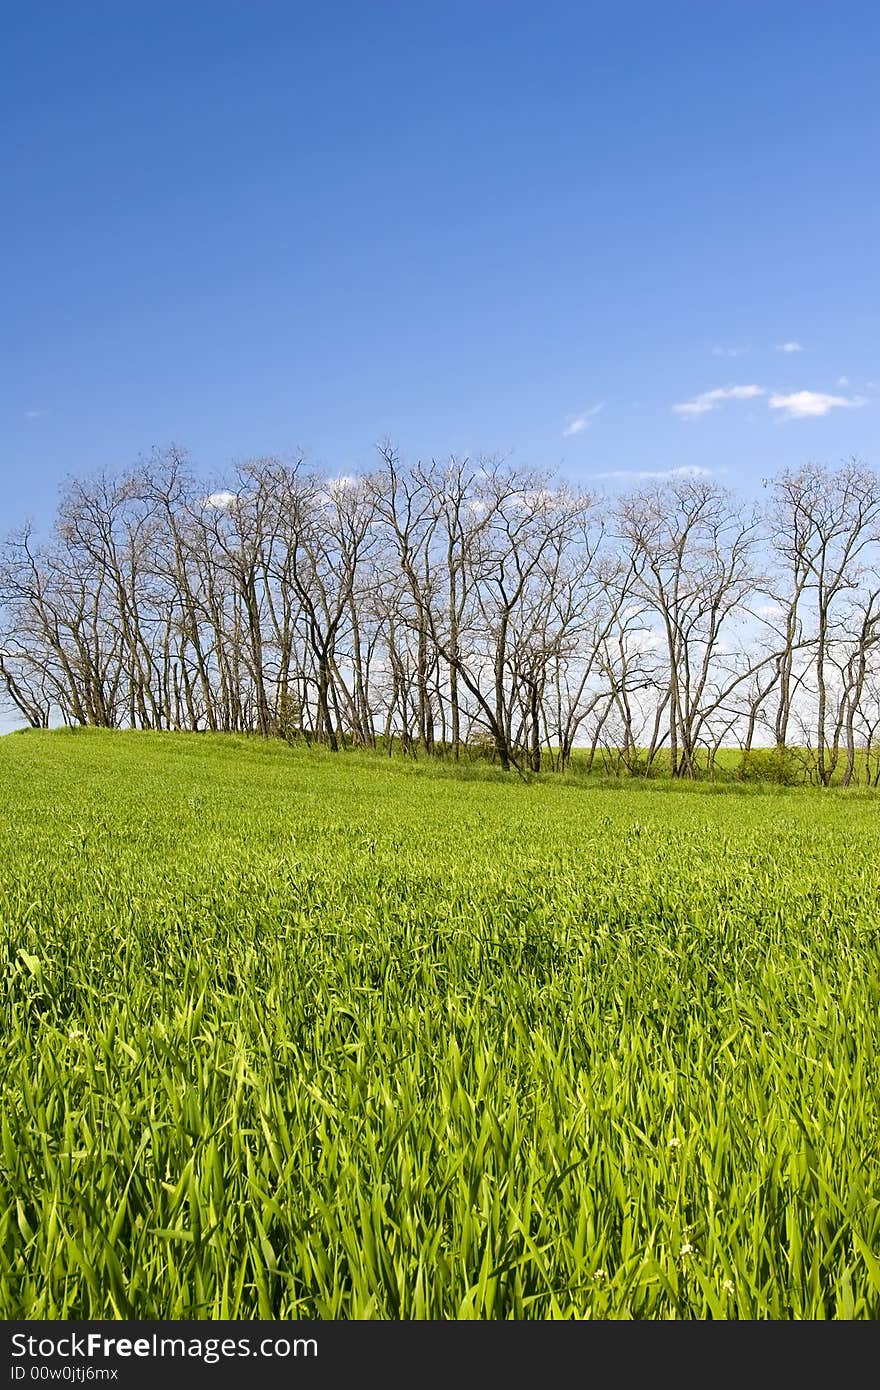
column 450, row 605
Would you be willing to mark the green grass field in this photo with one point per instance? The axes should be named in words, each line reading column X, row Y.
column 303, row 1036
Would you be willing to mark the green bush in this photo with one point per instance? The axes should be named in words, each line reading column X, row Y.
column 778, row 765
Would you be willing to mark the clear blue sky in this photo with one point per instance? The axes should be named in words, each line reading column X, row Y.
column 256, row 227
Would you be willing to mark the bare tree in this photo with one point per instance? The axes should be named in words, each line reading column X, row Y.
column 440, row 602
column 692, row 555
column 826, row 526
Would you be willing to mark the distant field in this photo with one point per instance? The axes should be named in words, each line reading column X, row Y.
column 295, row 1035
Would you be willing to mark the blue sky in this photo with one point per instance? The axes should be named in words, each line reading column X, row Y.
column 480, row 227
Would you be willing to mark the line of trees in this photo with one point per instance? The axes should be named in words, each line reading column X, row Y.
column 449, row 606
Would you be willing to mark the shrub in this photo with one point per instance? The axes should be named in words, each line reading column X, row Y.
column 778, row 765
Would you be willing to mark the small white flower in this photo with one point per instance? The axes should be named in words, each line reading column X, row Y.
column 728, row 1286
column 675, row 1142
column 599, row 1275
column 686, row 1249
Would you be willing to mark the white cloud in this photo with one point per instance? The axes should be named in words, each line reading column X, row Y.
column 790, row 346
column 645, row 641
column 334, row 490
column 710, row 400
column 222, row 501
column 721, row 351
column 802, row 405
column 579, row 423
column 34, row 414
column 842, row 381
column 662, row 475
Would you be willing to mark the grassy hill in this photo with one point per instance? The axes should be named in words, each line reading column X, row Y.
column 296, row 1035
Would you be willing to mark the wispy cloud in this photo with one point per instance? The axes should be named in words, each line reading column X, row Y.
column 711, row 400
column 578, row 423
column 790, row 346
column 719, row 350
column 34, row 414
column 802, row 405
column 220, row 501
column 842, row 381
column 662, row 475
